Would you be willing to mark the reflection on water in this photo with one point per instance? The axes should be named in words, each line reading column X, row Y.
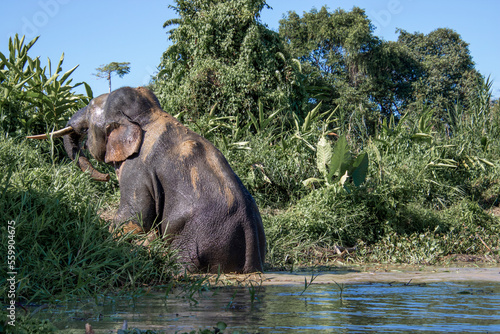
column 437, row 307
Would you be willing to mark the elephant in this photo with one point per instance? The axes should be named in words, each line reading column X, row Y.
column 174, row 183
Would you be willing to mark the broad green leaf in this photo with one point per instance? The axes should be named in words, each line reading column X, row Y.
column 30, row 44
column 22, row 83
column 296, row 121
column 489, row 163
column 261, row 113
column 88, row 90
column 422, row 137
column 310, row 117
column 212, row 110
column 67, row 74
column 331, row 113
column 49, row 64
column 61, row 60
column 52, row 78
column 299, row 65
column 268, row 120
column 450, row 163
column 401, row 121
column 360, row 169
column 323, row 155
column 254, row 120
column 9, row 65
column 340, row 158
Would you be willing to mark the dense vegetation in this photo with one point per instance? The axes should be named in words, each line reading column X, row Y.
column 414, row 173
column 343, row 139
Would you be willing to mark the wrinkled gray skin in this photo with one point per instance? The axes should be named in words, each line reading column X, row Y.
column 175, row 180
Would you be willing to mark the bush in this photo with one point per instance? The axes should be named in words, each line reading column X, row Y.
column 272, row 172
column 462, row 229
column 327, row 213
column 32, row 100
column 425, row 197
column 223, row 59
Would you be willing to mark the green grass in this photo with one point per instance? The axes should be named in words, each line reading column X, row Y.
column 405, row 212
column 62, row 248
column 425, row 198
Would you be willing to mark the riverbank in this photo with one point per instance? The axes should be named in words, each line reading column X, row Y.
column 382, row 274
column 361, row 274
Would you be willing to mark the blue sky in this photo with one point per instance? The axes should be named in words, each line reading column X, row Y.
column 91, row 33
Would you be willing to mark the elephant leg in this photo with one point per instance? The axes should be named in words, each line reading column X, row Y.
column 253, row 258
column 187, row 254
column 132, row 227
column 126, row 228
column 137, row 212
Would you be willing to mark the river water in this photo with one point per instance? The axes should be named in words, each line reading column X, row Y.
column 437, row 307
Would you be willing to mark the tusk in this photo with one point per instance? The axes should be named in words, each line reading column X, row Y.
column 55, row 134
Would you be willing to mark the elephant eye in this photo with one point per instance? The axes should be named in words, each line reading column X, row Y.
column 111, row 127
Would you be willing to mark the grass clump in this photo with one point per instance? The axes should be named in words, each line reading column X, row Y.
column 464, row 229
column 413, row 208
column 26, row 325
column 426, row 197
column 271, row 171
column 62, row 247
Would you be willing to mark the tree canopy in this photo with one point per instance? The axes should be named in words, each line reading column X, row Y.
column 448, row 74
column 335, row 49
column 352, row 67
column 223, row 59
column 106, row 71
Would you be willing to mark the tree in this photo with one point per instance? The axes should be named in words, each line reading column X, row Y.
column 35, row 99
column 392, row 71
column 343, row 58
column 106, row 71
column 223, row 60
column 448, row 74
column 333, row 47
column 352, row 67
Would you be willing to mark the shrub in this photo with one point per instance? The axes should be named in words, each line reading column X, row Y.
column 223, row 57
column 32, row 99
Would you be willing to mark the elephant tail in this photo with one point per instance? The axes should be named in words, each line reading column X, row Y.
column 255, row 249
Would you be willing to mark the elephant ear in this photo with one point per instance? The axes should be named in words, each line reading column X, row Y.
column 123, row 141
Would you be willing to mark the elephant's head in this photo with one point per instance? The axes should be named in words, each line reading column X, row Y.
column 112, row 124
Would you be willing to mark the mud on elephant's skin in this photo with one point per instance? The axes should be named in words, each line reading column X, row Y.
column 169, row 174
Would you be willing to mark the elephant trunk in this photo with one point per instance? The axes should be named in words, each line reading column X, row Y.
column 73, row 148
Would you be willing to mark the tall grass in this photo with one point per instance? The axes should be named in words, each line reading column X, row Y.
column 63, row 248
column 428, row 193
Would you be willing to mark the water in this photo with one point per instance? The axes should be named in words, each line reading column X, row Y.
column 360, row 308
